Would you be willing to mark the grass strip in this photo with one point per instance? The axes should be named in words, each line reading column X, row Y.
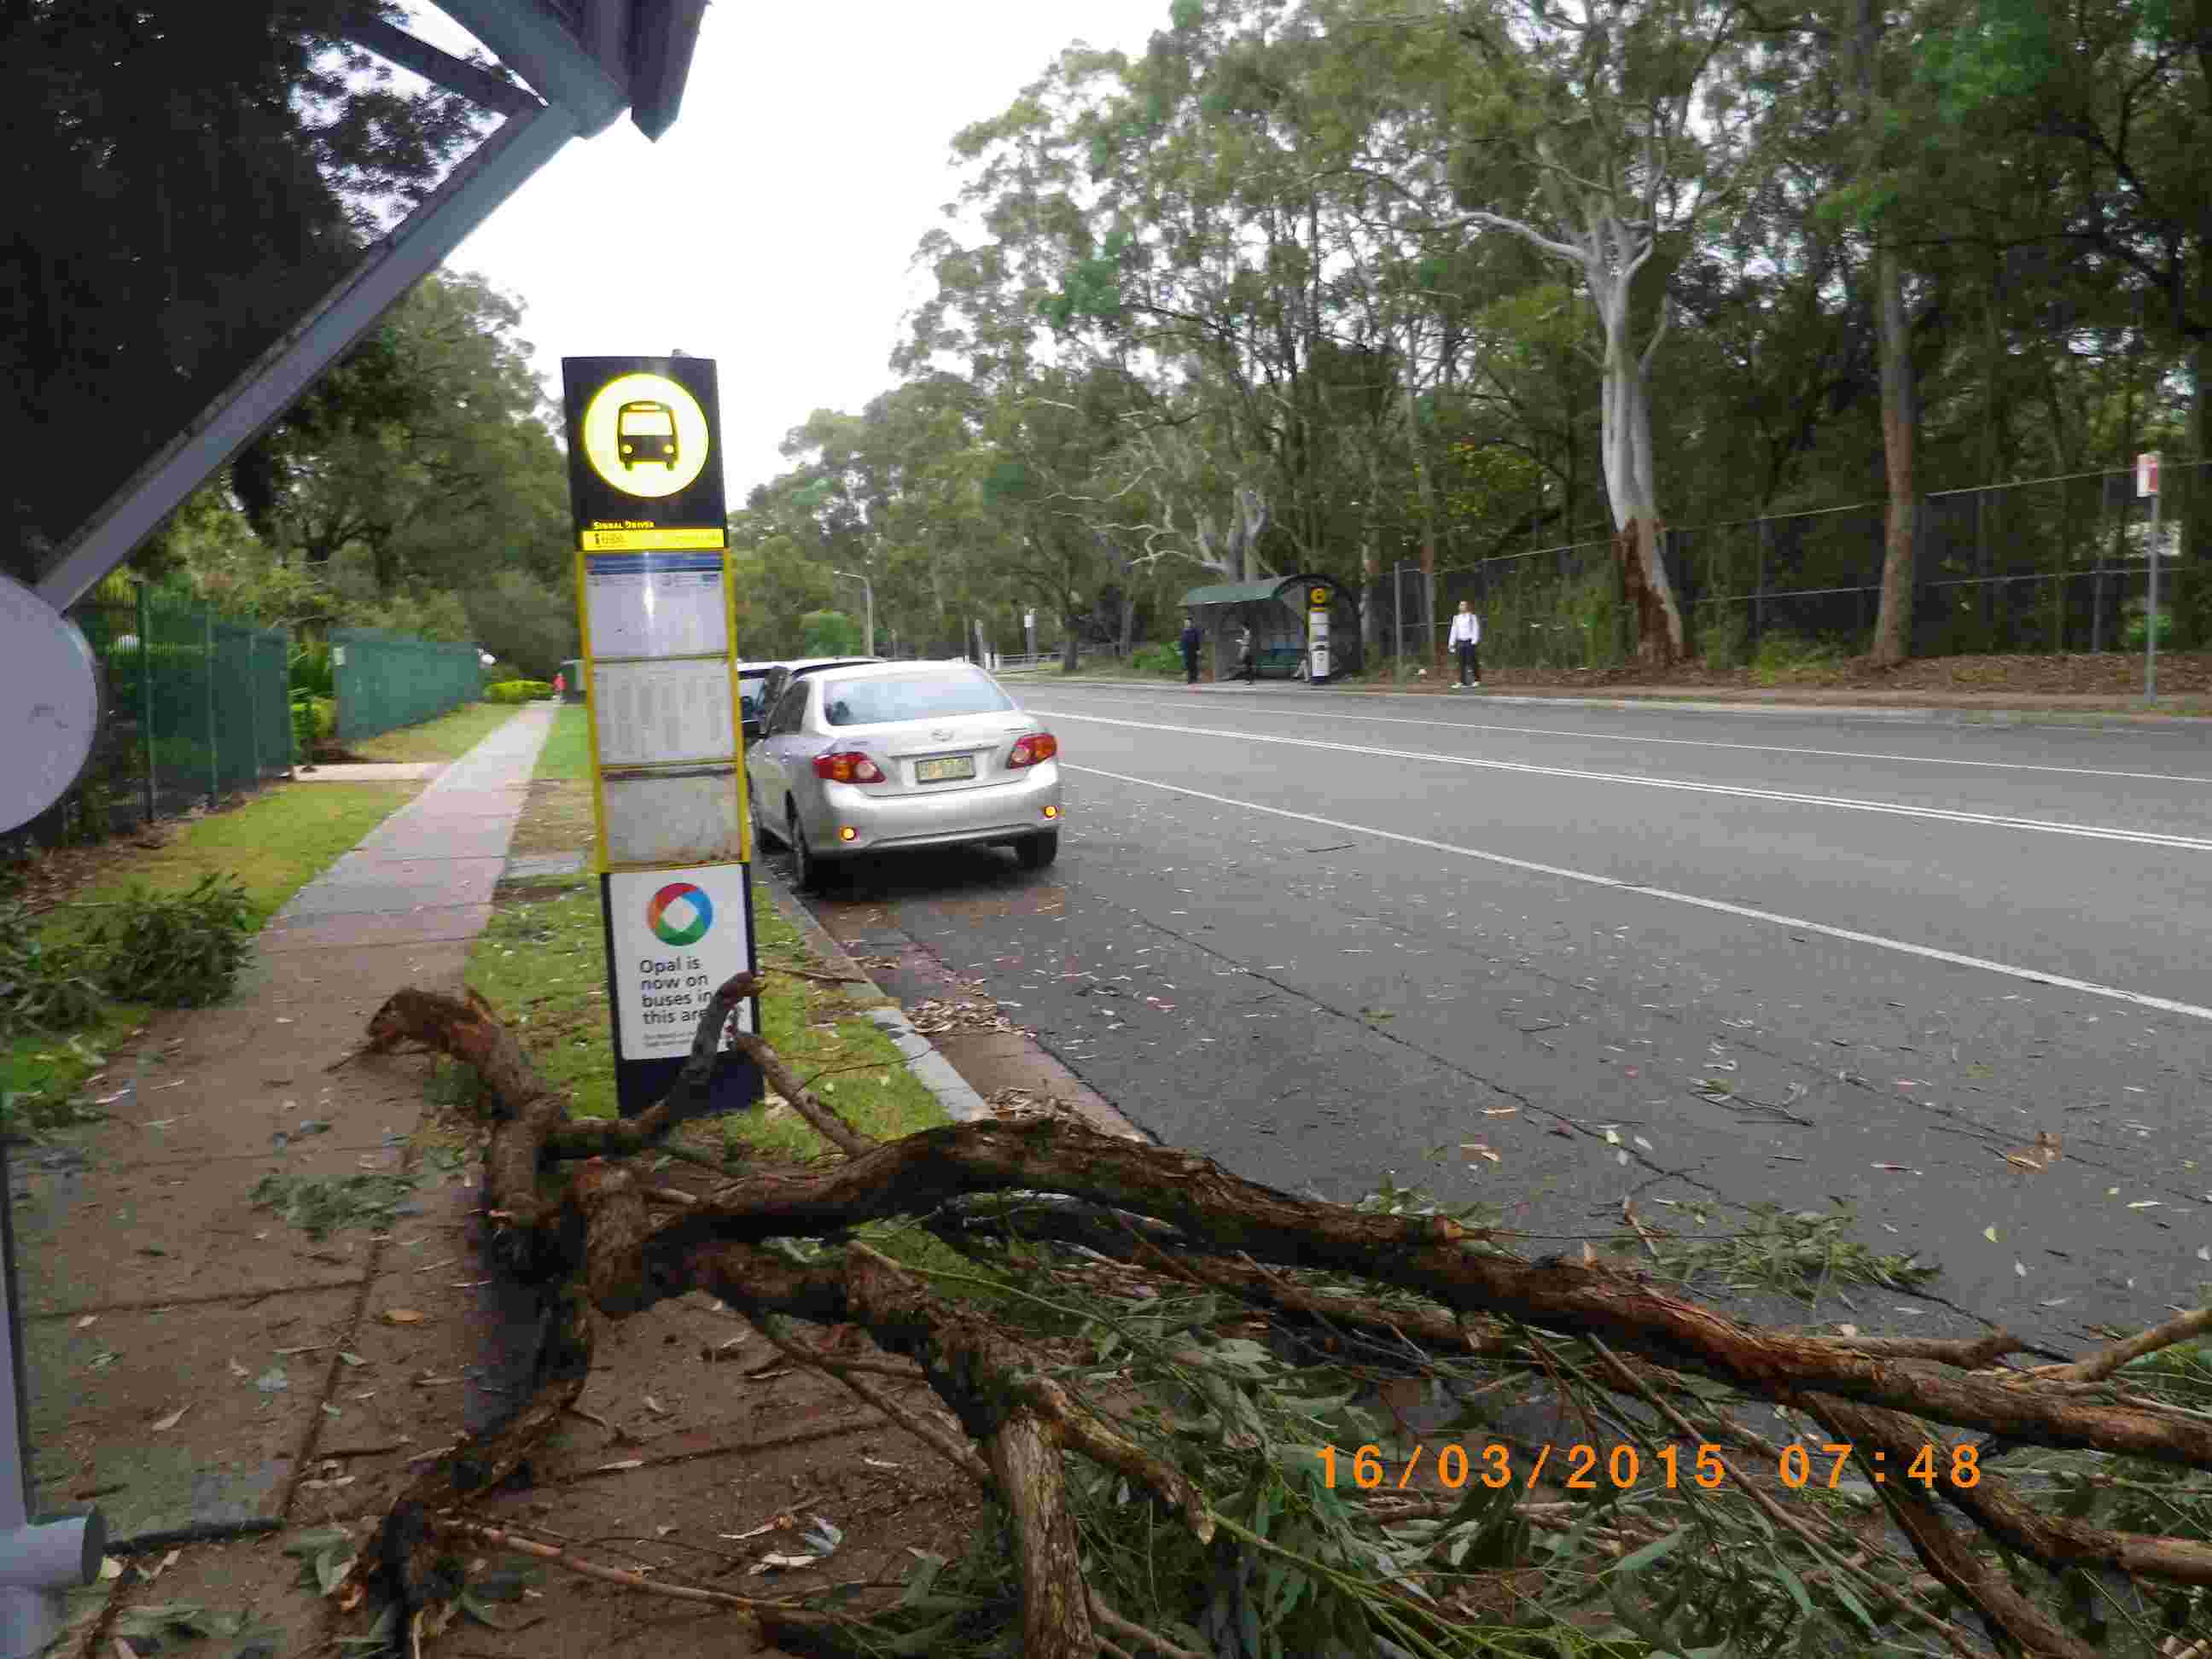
column 567, row 756
column 542, row 963
column 276, row 843
column 447, row 737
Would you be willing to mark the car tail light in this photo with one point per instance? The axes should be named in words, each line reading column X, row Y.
column 847, row 766
column 1037, row 746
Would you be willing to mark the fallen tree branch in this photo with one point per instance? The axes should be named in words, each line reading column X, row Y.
column 602, row 1242
column 2101, row 1364
column 962, row 1456
column 790, row 1616
column 788, row 1084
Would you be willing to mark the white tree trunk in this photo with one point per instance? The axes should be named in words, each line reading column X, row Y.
column 1609, row 253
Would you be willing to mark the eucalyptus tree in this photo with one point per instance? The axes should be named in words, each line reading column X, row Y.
column 1597, row 103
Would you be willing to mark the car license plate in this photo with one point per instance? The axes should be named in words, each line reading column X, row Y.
column 943, row 767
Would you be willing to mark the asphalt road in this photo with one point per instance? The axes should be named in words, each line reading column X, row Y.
column 1696, row 960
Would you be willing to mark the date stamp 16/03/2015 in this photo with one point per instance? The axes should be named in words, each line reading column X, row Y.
column 1586, row 1467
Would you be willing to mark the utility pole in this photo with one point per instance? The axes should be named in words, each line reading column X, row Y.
column 870, row 589
column 2147, row 484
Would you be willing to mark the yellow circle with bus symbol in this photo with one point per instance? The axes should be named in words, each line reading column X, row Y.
column 645, row 434
column 1317, row 598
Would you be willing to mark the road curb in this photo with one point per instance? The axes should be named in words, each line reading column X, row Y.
column 930, row 1069
column 1921, row 714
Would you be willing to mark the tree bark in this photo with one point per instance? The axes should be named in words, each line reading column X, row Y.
column 607, row 1246
column 1900, row 413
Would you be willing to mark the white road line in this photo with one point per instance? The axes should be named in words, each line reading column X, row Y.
column 1926, row 951
column 1693, row 743
column 1844, row 803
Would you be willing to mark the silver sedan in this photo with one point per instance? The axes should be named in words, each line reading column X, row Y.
column 891, row 755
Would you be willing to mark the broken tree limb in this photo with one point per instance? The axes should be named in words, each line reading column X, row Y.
column 956, row 1452
column 1430, row 1255
column 826, row 1123
column 1940, row 1549
column 2101, row 1364
column 1444, row 1294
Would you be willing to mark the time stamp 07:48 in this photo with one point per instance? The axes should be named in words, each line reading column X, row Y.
column 1587, row 1468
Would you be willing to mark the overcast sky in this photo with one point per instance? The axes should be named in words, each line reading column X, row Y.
column 772, row 227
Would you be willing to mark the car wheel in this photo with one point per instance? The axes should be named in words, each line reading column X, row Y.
column 1037, row 851
column 806, row 869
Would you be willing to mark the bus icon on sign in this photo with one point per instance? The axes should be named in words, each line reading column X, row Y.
column 1318, row 597
column 645, row 431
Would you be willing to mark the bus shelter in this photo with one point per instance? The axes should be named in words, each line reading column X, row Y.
column 1281, row 611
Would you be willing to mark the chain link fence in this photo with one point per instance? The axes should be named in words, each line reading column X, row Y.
column 193, row 707
column 2058, row 564
column 386, row 681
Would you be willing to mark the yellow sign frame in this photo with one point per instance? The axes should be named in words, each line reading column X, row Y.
column 601, row 862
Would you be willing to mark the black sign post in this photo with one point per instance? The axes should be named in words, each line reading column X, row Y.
column 668, row 795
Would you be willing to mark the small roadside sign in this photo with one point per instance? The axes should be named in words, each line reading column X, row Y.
column 645, row 468
column 2147, row 473
column 668, row 789
column 678, row 935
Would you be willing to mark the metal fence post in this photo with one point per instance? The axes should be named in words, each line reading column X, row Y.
column 207, row 665
column 1758, row 587
column 253, row 707
column 1398, row 619
column 146, row 692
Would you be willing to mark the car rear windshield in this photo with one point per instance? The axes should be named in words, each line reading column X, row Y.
column 910, row 697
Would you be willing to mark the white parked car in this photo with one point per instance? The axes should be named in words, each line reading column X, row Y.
column 889, row 755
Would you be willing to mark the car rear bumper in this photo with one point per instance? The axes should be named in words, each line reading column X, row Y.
column 994, row 812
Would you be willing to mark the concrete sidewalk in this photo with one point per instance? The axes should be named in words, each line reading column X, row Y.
column 182, row 1343
column 1924, row 708
column 241, row 1399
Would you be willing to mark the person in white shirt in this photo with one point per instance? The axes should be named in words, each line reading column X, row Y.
column 1465, row 635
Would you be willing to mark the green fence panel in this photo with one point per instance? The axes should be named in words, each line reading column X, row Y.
column 386, row 681
column 193, row 706
column 238, row 729
column 183, row 683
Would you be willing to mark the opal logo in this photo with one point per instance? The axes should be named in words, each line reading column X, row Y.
column 679, row 914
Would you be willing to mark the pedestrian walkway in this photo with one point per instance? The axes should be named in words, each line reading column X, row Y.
column 242, row 1397
column 182, row 1341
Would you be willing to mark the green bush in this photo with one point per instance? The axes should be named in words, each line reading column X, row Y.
column 2137, row 635
column 1725, row 634
column 41, row 990
column 1783, row 656
column 1156, row 660
column 313, row 673
column 179, row 950
column 518, row 691
column 314, row 722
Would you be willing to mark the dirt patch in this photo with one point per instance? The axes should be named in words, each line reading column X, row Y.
column 529, row 893
column 558, row 819
column 56, row 876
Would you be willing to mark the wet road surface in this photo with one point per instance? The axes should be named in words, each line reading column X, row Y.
column 1551, row 959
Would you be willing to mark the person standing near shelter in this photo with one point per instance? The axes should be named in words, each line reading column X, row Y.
column 1248, row 661
column 1189, row 640
column 1466, row 635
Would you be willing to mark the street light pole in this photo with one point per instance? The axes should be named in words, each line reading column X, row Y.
column 869, row 588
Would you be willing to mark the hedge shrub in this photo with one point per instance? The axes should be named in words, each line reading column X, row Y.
column 518, row 691
column 314, row 721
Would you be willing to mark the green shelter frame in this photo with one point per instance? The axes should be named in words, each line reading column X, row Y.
column 1274, row 608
